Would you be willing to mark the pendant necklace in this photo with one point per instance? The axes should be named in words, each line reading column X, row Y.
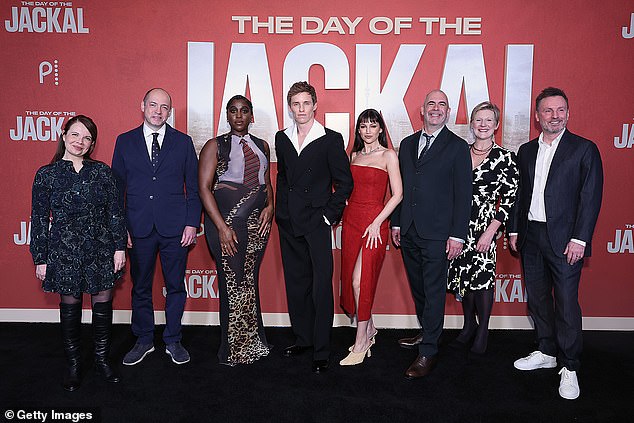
column 372, row 150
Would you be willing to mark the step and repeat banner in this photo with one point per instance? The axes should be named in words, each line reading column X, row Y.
column 62, row 58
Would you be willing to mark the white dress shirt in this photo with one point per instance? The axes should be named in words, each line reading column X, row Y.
column 147, row 134
column 316, row 131
column 545, row 154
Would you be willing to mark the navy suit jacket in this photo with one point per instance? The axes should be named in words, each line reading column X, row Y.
column 304, row 192
column 572, row 196
column 436, row 188
column 165, row 197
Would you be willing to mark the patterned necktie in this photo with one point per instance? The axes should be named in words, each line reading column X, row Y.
column 251, row 165
column 156, row 149
column 426, row 147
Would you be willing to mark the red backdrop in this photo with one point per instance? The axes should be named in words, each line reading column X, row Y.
column 99, row 58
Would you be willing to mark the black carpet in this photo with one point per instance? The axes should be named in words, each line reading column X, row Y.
column 278, row 389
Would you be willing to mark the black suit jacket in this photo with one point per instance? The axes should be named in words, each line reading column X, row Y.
column 436, row 188
column 304, row 192
column 572, row 196
column 165, row 197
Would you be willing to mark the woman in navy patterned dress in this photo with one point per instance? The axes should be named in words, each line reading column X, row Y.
column 83, row 250
column 235, row 188
column 495, row 179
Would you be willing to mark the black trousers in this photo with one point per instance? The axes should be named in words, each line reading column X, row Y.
column 308, row 265
column 552, row 287
column 426, row 266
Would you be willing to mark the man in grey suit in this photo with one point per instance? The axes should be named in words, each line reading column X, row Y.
column 432, row 221
column 558, row 202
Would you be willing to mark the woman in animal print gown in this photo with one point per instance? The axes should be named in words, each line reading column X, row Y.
column 235, row 188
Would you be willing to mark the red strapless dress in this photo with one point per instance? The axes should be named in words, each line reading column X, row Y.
column 364, row 205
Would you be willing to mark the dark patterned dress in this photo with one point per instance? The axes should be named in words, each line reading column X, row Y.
column 86, row 227
column 494, row 186
column 243, row 339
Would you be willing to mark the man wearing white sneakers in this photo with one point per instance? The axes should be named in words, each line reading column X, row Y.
column 558, row 202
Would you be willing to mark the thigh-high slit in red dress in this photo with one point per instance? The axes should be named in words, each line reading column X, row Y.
column 364, row 205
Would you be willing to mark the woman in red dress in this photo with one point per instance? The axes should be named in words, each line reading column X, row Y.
column 365, row 226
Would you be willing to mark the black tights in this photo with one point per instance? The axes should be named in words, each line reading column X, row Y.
column 99, row 297
column 478, row 303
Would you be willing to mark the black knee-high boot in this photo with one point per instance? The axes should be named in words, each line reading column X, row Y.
column 102, row 330
column 70, row 318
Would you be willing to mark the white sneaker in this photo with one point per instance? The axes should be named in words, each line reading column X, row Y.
column 536, row 360
column 568, row 385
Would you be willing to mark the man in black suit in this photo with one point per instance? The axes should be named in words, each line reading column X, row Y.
column 311, row 160
column 157, row 175
column 559, row 197
column 432, row 221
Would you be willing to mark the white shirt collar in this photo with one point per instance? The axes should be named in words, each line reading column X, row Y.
column 543, row 162
column 316, row 131
column 236, row 138
column 434, row 134
column 422, row 141
column 147, row 131
column 555, row 142
column 147, row 135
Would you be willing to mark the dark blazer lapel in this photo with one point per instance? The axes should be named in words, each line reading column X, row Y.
column 290, row 157
column 437, row 146
column 167, row 146
column 531, row 161
column 414, row 146
column 307, row 152
column 312, row 145
column 565, row 143
column 140, row 147
column 304, row 158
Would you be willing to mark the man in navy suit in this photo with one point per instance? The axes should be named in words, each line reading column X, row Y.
column 311, row 160
column 432, row 221
column 157, row 174
column 558, row 202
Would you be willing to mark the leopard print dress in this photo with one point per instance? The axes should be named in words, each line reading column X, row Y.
column 243, row 339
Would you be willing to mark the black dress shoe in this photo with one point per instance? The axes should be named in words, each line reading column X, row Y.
column 320, row 366
column 420, row 367
column 411, row 343
column 294, row 350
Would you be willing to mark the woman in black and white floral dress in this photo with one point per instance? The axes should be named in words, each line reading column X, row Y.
column 495, row 179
